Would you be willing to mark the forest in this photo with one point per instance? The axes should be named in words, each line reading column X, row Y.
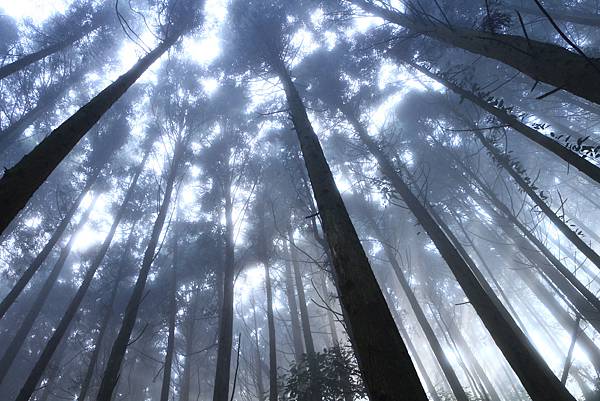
column 299, row 200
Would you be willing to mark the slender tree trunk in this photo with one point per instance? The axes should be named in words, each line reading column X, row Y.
column 190, row 327
column 260, row 386
column 18, row 183
column 534, row 373
column 574, row 159
column 544, row 62
column 432, row 338
column 29, row 59
column 22, row 333
column 272, row 339
column 387, row 370
column 315, row 391
column 166, row 382
column 475, row 384
column 53, row 374
column 463, row 345
column 225, row 344
column 293, row 306
column 35, row 265
column 117, row 354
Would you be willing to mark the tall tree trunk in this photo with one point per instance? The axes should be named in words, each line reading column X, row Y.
column 315, row 391
column 544, row 62
column 272, row 339
column 574, row 159
column 117, row 353
column 189, row 333
column 260, row 386
column 432, row 338
column 387, row 370
column 293, row 307
column 22, row 333
column 464, row 346
column 35, row 265
column 225, row 342
column 166, row 381
column 263, row 255
column 60, row 331
column 18, row 183
column 31, row 58
column 534, row 373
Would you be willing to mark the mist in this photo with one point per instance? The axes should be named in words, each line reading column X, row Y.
column 339, row 200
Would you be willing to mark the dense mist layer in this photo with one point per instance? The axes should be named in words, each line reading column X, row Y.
column 340, row 200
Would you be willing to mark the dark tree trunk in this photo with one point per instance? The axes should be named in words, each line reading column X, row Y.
column 189, row 330
column 225, row 342
column 117, row 353
column 293, row 306
column 18, row 183
column 534, row 373
column 272, row 339
column 35, row 265
column 574, row 159
column 62, row 328
column 29, row 59
column 543, row 62
column 260, row 386
column 315, row 391
column 464, row 346
column 22, row 333
column 387, row 370
column 166, row 382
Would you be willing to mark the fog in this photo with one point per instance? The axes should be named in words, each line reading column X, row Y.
column 335, row 200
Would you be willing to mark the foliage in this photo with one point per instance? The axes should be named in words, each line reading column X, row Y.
column 338, row 376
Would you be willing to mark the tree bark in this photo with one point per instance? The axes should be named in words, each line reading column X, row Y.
column 18, row 183
column 315, row 391
column 166, row 381
column 22, row 333
column 61, row 330
column 387, row 370
column 117, row 353
column 272, row 339
column 225, row 342
column 544, row 62
column 293, row 307
column 534, row 373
